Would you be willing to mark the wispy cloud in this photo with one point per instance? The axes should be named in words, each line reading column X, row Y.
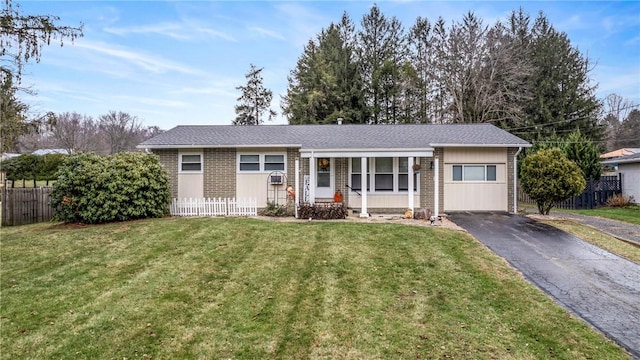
column 185, row 30
column 153, row 101
column 266, row 32
column 214, row 33
column 149, row 63
column 171, row 30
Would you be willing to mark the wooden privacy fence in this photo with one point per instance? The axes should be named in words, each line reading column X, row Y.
column 21, row 206
column 213, row 207
column 595, row 194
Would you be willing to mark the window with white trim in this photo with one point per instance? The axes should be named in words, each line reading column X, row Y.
column 250, row 162
column 274, row 162
column 403, row 175
column 262, row 162
column 384, row 174
column 390, row 174
column 474, row 173
column 190, row 163
column 356, row 174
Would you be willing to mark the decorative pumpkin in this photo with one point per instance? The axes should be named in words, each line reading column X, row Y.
column 337, row 197
column 408, row 214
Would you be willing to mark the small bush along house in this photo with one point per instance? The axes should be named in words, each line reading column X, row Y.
column 376, row 168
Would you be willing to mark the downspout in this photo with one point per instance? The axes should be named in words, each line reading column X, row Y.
column 297, row 188
column 515, row 180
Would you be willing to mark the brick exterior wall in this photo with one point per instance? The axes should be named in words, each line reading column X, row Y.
column 219, row 170
column 427, row 195
column 169, row 160
column 341, row 178
column 292, row 155
column 510, row 154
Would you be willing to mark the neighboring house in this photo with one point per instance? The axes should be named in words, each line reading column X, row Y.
column 629, row 169
column 465, row 167
column 620, row 152
column 50, row 151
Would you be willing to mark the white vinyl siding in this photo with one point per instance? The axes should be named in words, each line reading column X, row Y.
column 475, row 179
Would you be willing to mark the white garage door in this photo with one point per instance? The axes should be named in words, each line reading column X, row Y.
column 475, row 180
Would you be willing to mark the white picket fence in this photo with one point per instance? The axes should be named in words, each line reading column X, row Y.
column 214, row 207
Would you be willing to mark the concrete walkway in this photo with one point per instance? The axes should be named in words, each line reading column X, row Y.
column 599, row 287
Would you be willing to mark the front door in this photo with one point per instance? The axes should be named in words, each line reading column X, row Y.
column 325, row 178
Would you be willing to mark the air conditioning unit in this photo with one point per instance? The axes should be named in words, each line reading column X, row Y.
column 275, row 179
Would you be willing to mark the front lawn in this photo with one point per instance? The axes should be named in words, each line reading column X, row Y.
column 252, row 289
column 630, row 214
column 598, row 238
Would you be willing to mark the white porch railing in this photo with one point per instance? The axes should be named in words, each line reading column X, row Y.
column 213, row 207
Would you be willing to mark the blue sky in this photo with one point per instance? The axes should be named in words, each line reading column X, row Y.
column 171, row 63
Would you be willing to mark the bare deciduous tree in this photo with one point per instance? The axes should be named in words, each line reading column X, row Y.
column 121, row 131
column 75, row 133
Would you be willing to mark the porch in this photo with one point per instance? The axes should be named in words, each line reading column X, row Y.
column 395, row 181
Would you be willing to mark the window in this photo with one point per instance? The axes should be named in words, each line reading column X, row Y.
column 273, row 162
column 356, row 174
column 323, row 172
column 384, row 174
column 491, row 173
column 403, row 175
column 261, row 162
column 389, row 174
column 190, row 162
column 474, row 172
column 249, row 162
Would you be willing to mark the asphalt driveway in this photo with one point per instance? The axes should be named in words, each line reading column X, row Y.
column 600, row 287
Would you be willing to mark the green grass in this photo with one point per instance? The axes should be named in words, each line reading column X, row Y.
column 598, row 238
column 252, row 289
column 630, row 214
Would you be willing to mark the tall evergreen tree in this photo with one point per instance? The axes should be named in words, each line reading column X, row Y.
column 255, row 100
column 12, row 116
column 563, row 98
column 326, row 83
column 628, row 133
column 381, row 52
column 418, row 100
column 585, row 153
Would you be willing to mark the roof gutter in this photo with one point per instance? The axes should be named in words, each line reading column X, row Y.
column 525, row 145
column 195, row 146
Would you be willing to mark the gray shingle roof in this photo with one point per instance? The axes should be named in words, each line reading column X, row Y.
column 410, row 136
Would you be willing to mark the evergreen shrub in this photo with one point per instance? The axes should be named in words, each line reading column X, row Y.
column 94, row 189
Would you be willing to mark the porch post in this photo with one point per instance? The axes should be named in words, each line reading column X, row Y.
column 312, row 179
column 436, row 186
column 410, row 190
column 297, row 188
column 363, row 186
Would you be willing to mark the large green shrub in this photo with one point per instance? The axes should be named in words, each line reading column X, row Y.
column 95, row 189
column 547, row 176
